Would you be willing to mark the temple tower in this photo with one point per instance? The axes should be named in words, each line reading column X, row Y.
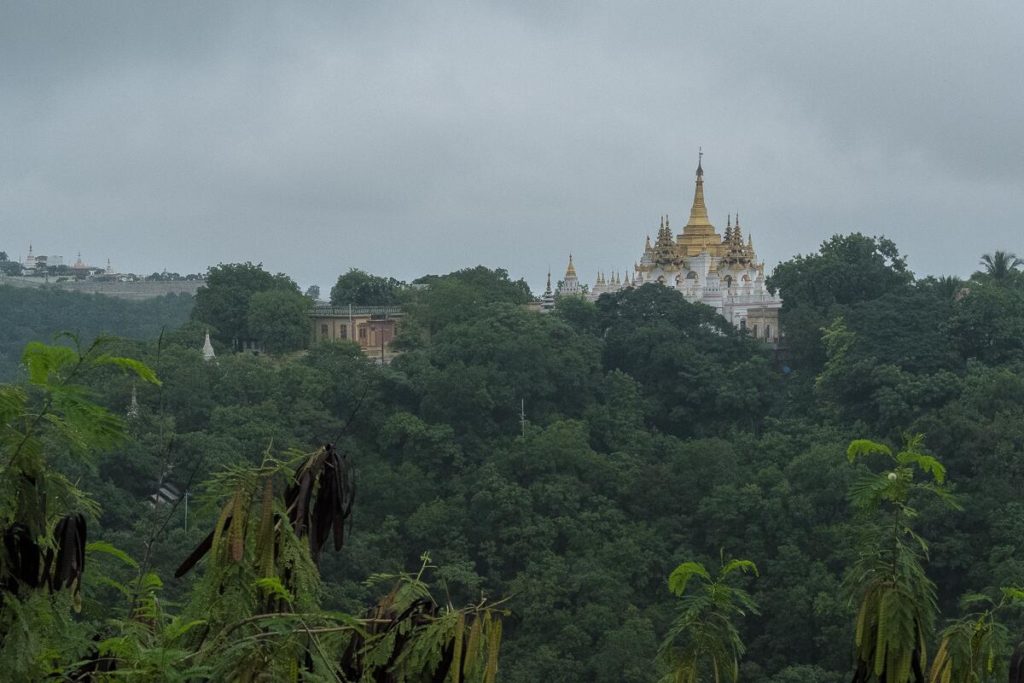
column 570, row 284
column 698, row 233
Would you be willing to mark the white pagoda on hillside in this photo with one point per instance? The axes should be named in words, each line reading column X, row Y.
column 704, row 266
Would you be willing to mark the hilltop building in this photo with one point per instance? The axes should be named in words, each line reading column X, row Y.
column 372, row 327
column 721, row 271
column 570, row 284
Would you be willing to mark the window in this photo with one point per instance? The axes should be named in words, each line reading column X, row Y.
column 755, row 331
column 362, row 333
column 743, row 324
column 323, row 330
column 344, row 331
column 767, row 331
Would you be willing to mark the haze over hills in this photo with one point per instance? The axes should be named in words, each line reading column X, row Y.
column 177, row 139
column 511, row 342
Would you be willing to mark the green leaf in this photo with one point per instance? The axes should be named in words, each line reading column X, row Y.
column 861, row 447
column 968, row 600
column 12, row 403
column 273, row 586
column 178, row 628
column 109, row 549
column 42, row 360
column 682, row 574
column 925, row 463
column 745, row 566
column 143, row 371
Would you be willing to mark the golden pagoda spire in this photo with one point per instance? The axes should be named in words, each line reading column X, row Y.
column 570, row 271
column 699, row 211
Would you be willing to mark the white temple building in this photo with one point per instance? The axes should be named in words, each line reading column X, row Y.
column 704, row 266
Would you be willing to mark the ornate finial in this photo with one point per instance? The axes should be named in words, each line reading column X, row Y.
column 728, row 221
column 700, row 161
column 666, row 222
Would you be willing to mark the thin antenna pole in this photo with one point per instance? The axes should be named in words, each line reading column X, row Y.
column 522, row 415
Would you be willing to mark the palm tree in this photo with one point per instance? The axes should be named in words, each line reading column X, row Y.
column 704, row 643
column 1001, row 265
column 948, row 286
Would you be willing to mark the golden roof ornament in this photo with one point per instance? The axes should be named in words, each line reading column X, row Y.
column 699, row 210
column 570, row 270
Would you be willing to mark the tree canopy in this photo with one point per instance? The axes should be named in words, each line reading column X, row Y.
column 225, row 304
column 359, row 288
column 562, row 465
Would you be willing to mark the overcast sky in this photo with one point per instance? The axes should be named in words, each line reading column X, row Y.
column 422, row 137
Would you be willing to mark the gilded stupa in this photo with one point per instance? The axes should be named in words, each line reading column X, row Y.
column 721, row 271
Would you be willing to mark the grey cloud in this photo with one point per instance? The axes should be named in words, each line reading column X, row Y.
column 407, row 138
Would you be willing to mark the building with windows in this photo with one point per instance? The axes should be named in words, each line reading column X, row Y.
column 721, row 271
column 373, row 328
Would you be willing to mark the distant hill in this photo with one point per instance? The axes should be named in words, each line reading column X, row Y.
column 39, row 314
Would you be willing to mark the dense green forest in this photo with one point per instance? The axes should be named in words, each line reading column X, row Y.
column 30, row 314
column 567, row 464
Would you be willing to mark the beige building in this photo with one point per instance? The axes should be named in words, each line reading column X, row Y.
column 372, row 327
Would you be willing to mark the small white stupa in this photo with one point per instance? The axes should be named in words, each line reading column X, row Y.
column 133, row 407
column 208, row 353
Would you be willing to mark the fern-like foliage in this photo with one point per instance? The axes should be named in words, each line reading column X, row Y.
column 974, row 648
column 896, row 599
column 257, row 604
column 409, row 637
column 253, row 615
column 44, row 516
column 704, row 643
